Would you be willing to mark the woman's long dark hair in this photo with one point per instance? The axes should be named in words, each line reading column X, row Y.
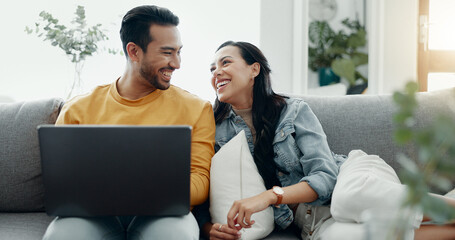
column 266, row 110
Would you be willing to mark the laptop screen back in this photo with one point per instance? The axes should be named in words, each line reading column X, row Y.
column 98, row 170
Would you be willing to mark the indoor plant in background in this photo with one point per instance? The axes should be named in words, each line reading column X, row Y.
column 322, row 37
column 77, row 41
column 339, row 53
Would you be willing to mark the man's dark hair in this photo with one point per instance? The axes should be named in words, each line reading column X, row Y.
column 137, row 21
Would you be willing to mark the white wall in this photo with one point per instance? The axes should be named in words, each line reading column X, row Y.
column 400, row 44
column 33, row 69
column 277, row 41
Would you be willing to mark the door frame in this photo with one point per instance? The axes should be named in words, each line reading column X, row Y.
column 430, row 60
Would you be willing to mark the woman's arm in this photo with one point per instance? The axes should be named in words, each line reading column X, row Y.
column 319, row 168
column 242, row 210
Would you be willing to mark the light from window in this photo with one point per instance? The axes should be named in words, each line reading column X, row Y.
column 438, row 81
column 442, row 25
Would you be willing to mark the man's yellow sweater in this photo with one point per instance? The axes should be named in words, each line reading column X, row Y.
column 173, row 106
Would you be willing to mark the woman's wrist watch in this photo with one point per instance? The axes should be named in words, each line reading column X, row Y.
column 278, row 191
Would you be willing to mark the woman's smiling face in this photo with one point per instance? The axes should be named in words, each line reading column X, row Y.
column 233, row 78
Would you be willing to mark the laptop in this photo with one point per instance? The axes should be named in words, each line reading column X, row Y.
column 115, row 170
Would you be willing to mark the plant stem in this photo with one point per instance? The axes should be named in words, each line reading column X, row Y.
column 78, row 66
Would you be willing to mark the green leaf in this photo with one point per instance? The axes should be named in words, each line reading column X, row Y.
column 344, row 68
column 407, row 164
column 77, row 41
column 398, row 97
column 328, row 47
column 411, row 88
column 425, row 155
column 357, row 39
column 319, row 32
column 403, row 135
column 440, row 183
column 359, row 58
column 437, row 209
column 336, row 50
column 404, row 119
column 28, row 30
column 435, row 142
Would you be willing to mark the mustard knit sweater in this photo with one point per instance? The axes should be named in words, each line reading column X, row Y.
column 173, row 106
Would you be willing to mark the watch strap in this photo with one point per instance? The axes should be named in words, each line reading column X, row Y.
column 278, row 195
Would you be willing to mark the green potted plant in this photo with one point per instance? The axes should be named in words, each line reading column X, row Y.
column 78, row 41
column 340, row 52
column 322, row 38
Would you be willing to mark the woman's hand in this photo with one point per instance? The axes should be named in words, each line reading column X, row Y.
column 241, row 210
column 223, row 231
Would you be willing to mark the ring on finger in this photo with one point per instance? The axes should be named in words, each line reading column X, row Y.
column 220, row 227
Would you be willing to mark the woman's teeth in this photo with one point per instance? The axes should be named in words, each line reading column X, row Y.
column 222, row 83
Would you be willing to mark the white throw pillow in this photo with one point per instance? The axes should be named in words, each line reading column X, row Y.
column 234, row 176
column 367, row 183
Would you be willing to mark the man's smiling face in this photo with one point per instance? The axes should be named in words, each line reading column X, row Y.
column 162, row 56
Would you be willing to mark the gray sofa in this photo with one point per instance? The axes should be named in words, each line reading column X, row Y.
column 21, row 189
column 350, row 122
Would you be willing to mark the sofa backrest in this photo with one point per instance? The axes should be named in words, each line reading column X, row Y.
column 21, row 187
column 350, row 122
column 366, row 121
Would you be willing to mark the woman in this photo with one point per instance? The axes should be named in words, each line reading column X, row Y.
column 286, row 140
column 285, row 137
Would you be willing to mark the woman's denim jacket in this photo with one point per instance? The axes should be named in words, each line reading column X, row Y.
column 301, row 152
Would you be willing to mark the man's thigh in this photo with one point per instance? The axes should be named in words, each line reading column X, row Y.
column 182, row 227
column 84, row 228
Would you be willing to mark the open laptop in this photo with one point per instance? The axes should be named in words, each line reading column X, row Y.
column 111, row 170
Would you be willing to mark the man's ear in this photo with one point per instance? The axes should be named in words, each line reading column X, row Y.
column 134, row 51
column 256, row 69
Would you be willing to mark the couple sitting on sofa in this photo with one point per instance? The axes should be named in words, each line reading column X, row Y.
column 285, row 139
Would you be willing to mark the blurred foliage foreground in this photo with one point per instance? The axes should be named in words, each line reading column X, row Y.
column 433, row 167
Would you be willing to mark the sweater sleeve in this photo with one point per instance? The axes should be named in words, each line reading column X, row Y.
column 202, row 151
column 65, row 116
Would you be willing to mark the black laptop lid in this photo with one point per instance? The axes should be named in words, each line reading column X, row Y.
column 98, row 170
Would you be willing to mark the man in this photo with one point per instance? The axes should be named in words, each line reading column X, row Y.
column 143, row 95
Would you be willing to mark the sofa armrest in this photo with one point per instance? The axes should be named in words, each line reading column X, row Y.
column 21, row 188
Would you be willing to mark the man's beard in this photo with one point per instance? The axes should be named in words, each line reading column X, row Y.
column 149, row 75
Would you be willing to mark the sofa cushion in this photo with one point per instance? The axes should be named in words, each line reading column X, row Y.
column 362, row 183
column 21, row 187
column 366, row 121
column 23, row 226
column 234, row 176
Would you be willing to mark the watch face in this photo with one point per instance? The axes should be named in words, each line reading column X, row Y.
column 278, row 190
